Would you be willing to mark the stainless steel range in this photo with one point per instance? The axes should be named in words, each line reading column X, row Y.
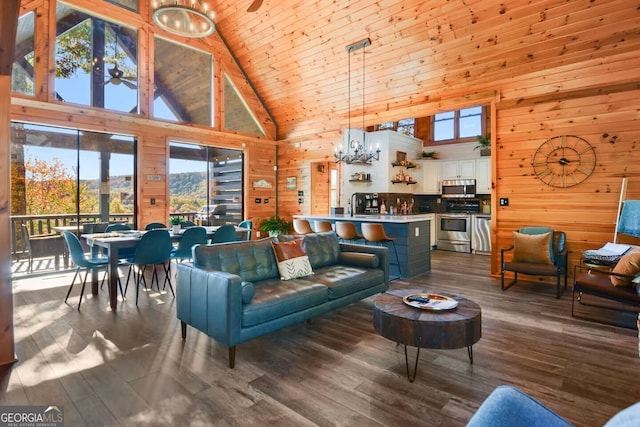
column 454, row 226
column 454, row 232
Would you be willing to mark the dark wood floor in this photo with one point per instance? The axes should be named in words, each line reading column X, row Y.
column 132, row 368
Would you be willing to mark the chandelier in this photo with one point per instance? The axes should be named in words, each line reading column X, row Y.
column 356, row 151
column 187, row 18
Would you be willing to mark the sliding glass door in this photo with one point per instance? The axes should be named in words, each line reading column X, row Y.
column 62, row 177
column 202, row 178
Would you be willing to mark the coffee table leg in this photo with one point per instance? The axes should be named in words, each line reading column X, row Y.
column 415, row 367
column 470, row 351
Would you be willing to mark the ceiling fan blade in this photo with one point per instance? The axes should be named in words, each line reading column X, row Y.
column 129, row 85
column 255, row 6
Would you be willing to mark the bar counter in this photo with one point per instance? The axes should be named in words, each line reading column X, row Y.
column 412, row 233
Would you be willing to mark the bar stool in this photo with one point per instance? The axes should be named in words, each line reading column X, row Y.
column 347, row 231
column 374, row 233
column 320, row 226
column 302, row 226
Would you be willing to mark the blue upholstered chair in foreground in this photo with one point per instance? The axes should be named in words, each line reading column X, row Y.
column 226, row 233
column 153, row 248
column 509, row 407
column 82, row 262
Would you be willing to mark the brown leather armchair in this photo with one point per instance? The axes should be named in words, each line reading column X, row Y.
column 531, row 259
column 596, row 282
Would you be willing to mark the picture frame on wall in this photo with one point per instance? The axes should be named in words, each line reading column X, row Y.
column 291, row 183
column 401, row 156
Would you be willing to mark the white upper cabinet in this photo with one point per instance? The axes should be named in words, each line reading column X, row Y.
column 458, row 169
column 430, row 177
column 483, row 175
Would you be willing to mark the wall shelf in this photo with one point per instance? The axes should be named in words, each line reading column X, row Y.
column 403, row 182
column 360, row 180
column 409, row 166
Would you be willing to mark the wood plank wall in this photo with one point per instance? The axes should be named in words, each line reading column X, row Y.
column 586, row 212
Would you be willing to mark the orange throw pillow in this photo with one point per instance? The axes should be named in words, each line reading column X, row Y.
column 532, row 248
column 628, row 265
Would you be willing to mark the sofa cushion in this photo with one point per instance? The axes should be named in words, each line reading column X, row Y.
column 359, row 259
column 628, row 265
column 343, row 280
column 532, row 248
column 322, row 248
column 276, row 298
column 293, row 261
column 252, row 260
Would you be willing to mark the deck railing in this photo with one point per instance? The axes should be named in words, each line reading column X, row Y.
column 44, row 224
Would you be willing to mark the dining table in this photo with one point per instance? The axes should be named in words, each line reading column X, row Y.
column 118, row 240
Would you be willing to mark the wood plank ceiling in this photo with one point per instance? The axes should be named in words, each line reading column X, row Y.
column 293, row 52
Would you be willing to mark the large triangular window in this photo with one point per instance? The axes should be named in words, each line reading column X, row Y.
column 237, row 114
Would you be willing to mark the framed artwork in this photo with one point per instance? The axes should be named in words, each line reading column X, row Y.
column 291, row 183
column 401, row 156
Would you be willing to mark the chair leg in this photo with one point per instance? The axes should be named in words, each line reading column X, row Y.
column 84, row 283
column 558, row 286
column 167, row 272
column 138, row 279
column 126, row 286
column 72, row 282
column 513, row 282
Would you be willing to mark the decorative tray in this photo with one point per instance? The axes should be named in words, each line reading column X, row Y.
column 433, row 302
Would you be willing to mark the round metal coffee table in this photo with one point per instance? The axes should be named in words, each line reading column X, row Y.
column 399, row 322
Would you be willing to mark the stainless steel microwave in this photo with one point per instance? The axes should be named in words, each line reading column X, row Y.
column 458, row 188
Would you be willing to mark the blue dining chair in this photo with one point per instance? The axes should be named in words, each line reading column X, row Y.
column 153, row 248
column 123, row 253
column 154, row 225
column 191, row 236
column 187, row 224
column 226, row 233
column 248, row 224
column 82, row 262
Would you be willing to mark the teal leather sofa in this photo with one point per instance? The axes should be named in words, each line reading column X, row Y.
column 233, row 292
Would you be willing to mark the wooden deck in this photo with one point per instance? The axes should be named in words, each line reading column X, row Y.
column 132, row 367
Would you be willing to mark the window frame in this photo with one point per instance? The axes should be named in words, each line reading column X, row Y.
column 456, row 126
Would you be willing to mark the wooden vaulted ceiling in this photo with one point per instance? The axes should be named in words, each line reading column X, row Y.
column 293, row 52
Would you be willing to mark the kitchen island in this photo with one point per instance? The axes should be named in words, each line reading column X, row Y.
column 412, row 233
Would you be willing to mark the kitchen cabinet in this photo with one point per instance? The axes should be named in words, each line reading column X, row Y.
column 430, row 177
column 458, row 169
column 483, row 175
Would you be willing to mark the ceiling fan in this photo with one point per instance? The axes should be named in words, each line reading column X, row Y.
column 116, row 75
column 255, row 6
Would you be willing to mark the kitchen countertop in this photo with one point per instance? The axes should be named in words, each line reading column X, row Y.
column 396, row 219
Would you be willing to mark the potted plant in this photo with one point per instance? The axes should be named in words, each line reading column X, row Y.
column 175, row 222
column 484, row 144
column 275, row 225
column 430, row 155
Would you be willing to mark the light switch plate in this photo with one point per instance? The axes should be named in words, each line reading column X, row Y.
column 504, row 201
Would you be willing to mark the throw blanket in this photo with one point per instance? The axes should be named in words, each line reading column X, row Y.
column 630, row 218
